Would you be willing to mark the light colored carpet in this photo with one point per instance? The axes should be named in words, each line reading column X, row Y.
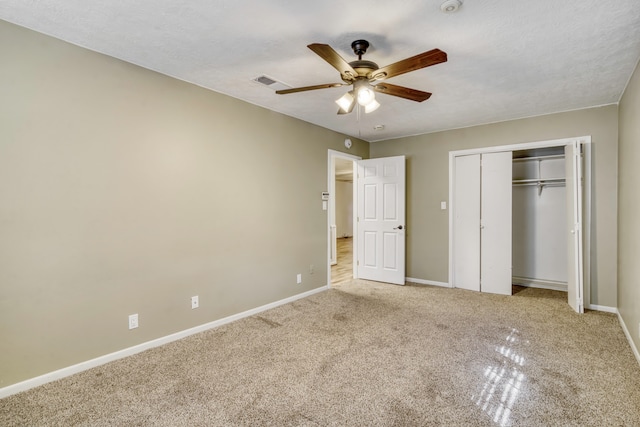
column 365, row 354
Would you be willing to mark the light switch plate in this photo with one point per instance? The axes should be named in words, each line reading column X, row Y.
column 133, row 321
column 443, row 205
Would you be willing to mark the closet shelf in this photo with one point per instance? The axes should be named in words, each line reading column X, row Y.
column 539, row 182
column 527, row 159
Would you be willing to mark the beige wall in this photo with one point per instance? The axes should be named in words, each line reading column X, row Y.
column 428, row 185
column 125, row 191
column 628, row 208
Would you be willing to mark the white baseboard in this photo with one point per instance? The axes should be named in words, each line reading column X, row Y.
column 427, row 282
column 628, row 335
column 539, row 283
column 83, row 366
column 602, row 308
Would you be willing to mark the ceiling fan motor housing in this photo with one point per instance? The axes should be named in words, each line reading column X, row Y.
column 363, row 68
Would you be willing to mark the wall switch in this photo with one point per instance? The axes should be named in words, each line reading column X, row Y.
column 443, row 206
column 195, row 303
column 299, row 279
column 133, row 321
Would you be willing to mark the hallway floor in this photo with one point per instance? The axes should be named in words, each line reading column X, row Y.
column 343, row 270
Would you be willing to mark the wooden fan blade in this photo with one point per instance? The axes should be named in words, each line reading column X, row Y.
column 402, row 92
column 305, row 88
column 327, row 53
column 426, row 59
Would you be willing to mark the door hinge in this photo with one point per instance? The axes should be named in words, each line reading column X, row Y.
column 358, row 262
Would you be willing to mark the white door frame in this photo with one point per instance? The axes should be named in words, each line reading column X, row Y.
column 585, row 141
column 331, row 212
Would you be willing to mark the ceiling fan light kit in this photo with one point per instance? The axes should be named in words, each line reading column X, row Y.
column 362, row 73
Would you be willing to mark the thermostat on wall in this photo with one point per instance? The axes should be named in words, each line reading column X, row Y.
column 325, row 195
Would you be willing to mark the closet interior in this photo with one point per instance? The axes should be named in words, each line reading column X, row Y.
column 539, row 218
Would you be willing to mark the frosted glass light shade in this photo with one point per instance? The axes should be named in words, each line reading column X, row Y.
column 345, row 102
column 371, row 106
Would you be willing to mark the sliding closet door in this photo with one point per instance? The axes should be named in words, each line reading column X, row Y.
column 575, row 275
column 466, row 223
column 496, row 208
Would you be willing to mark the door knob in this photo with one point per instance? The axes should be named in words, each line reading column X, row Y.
column 398, row 227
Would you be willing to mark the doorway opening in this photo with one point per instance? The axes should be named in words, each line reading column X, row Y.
column 341, row 217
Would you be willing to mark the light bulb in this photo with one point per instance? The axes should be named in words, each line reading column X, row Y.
column 365, row 96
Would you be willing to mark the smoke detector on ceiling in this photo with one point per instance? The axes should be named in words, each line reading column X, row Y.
column 450, row 6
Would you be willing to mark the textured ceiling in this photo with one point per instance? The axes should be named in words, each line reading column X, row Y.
column 507, row 58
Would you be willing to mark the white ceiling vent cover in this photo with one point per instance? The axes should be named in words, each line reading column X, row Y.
column 271, row 83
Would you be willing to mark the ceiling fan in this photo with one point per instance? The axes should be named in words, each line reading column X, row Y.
column 362, row 73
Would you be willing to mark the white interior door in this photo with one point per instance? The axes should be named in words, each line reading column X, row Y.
column 466, row 222
column 573, row 182
column 381, row 219
column 495, row 223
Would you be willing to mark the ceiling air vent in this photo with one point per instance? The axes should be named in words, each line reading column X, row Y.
column 270, row 83
column 265, row 80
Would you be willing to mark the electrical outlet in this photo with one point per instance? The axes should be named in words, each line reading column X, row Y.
column 195, row 302
column 311, row 269
column 133, row 321
column 299, row 279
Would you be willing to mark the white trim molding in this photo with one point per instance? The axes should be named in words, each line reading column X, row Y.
column 426, row 282
column 604, row 308
column 628, row 335
column 98, row 361
column 538, row 283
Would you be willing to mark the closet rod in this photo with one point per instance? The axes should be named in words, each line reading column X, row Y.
column 524, row 159
column 538, row 180
column 542, row 184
